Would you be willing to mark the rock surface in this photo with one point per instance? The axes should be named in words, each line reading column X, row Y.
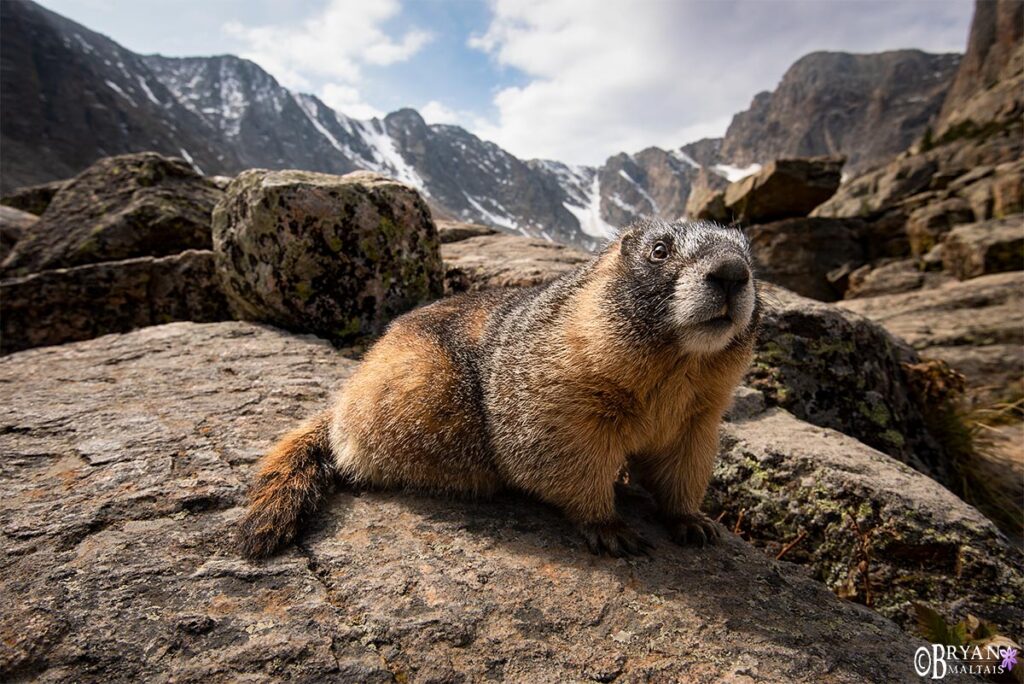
column 33, row 198
column 842, row 371
column 928, row 225
column 784, row 188
column 120, row 495
column 804, row 254
column 988, row 247
column 977, row 326
column 707, row 198
column 485, row 262
column 874, row 530
column 338, row 256
column 119, row 208
column 891, row 277
column 454, row 231
column 64, row 305
column 13, row 224
column 989, row 84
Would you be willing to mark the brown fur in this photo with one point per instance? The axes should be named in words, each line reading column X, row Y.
column 290, row 484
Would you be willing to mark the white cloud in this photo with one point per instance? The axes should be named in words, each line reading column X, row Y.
column 435, row 112
column 347, row 100
column 328, row 51
column 611, row 76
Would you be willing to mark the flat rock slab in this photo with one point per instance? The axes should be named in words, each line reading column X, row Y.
column 489, row 261
column 124, row 463
column 977, row 326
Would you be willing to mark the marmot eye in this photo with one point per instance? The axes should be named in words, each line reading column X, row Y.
column 660, row 252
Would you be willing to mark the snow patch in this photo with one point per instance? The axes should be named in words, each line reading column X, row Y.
column 734, row 173
column 686, row 159
column 589, row 215
column 117, row 89
column 501, row 220
column 309, row 108
column 639, row 189
column 232, row 102
column 145, row 89
column 386, row 157
column 191, row 162
column 85, row 46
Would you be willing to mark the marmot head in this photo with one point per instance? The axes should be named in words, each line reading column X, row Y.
column 683, row 283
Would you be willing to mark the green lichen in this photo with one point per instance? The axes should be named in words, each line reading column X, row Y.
column 877, row 413
column 894, row 438
column 351, row 329
column 304, row 290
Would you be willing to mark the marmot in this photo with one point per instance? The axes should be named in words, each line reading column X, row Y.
column 629, row 360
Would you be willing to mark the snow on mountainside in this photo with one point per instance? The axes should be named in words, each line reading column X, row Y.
column 72, row 96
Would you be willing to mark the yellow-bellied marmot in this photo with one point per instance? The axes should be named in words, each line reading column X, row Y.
column 630, row 359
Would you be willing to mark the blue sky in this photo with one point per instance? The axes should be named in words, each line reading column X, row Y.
column 574, row 80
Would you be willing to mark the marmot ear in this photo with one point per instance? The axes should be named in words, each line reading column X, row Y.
column 628, row 240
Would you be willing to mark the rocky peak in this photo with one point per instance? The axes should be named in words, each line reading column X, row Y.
column 988, row 83
column 868, row 107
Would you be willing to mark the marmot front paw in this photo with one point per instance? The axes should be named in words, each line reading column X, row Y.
column 694, row 528
column 614, row 538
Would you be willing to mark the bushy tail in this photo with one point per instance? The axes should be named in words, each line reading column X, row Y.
column 293, row 480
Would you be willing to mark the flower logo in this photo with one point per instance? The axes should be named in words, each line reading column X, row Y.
column 1009, row 658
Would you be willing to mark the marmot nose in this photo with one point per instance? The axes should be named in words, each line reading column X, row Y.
column 730, row 275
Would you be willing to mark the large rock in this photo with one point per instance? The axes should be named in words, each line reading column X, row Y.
column 784, row 188
column 454, row 231
column 805, row 254
column 977, row 326
column 707, row 198
column 928, row 224
column 872, row 529
column 33, row 198
column 989, row 84
column 64, row 305
column 988, row 247
column 842, row 371
column 490, row 261
column 13, row 224
column 119, row 208
column 338, row 256
column 891, row 277
column 122, row 490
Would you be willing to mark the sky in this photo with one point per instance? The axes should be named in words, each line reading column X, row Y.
column 571, row 80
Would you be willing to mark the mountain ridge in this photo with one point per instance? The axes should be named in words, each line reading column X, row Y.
column 82, row 96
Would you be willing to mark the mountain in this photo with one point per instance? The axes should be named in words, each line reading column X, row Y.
column 987, row 87
column 868, row 108
column 72, row 95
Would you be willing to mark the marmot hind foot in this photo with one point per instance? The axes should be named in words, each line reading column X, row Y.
column 615, row 539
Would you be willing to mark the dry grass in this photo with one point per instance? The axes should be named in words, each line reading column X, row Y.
column 992, row 472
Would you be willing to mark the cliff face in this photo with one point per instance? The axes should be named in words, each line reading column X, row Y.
column 989, row 85
column 868, row 108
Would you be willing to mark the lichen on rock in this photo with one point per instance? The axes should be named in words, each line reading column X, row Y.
column 338, row 256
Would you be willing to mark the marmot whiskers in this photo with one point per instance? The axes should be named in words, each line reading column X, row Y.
column 629, row 360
